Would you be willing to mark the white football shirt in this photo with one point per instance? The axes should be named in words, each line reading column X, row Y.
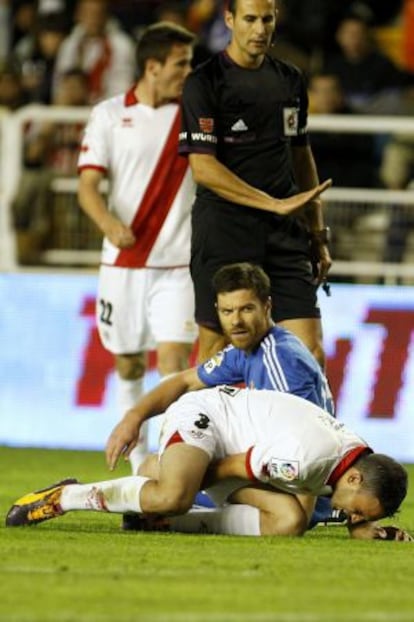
column 151, row 187
column 291, row 444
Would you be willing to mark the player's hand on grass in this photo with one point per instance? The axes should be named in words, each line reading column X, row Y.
column 390, row 532
column 121, row 441
column 117, row 233
column 367, row 530
column 284, row 207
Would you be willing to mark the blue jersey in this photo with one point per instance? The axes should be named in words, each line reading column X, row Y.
column 280, row 362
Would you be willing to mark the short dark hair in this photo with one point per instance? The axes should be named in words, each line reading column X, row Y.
column 157, row 41
column 385, row 478
column 231, row 6
column 242, row 276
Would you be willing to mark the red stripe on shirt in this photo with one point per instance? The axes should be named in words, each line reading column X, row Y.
column 346, row 462
column 156, row 202
column 249, row 469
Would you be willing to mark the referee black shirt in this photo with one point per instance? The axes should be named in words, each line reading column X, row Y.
column 247, row 119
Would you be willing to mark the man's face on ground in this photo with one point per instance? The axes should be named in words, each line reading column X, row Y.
column 172, row 73
column 243, row 317
column 252, row 26
column 358, row 503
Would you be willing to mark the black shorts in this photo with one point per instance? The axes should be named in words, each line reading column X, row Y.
column 223, row 234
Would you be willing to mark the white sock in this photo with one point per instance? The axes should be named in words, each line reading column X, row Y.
column 128, row 393
column 237, row 520
column 140, row 451
column 116, row 495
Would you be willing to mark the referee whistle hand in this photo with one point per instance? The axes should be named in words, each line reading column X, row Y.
column 284, row 207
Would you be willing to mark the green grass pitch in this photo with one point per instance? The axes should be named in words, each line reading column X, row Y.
column 82, row 568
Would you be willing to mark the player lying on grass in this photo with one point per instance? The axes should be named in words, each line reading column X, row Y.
column 283, row 451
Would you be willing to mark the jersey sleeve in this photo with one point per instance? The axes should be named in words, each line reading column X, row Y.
column 267, row 464
column 94, row 150
column 222, row 368
column 199, row 126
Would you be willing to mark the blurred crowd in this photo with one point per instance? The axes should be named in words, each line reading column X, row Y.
column 40, row 40
column 77, row 52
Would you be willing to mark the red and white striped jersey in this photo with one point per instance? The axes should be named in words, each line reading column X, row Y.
column 151, row 186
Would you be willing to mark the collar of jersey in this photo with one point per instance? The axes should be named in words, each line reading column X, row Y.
column 229, row 62
column 347, row 461
column 130, row 98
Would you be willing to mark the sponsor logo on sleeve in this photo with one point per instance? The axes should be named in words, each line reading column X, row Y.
column 290, row 121
column 283, row 469
column 214, row 362
column 206, row 124
column 204, row 138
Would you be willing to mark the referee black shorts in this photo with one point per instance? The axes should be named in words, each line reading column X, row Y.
column 223, row 234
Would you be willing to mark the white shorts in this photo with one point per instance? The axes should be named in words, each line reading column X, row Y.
column 138, row 309
column 185, row 423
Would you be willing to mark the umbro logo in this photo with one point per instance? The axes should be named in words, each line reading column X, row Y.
column 239, row 126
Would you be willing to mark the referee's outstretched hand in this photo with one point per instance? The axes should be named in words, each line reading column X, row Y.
column 284, row 207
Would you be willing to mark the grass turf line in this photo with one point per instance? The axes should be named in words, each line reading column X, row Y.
column 82, row 568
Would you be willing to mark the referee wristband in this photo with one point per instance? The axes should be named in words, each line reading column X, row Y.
column 322, row 236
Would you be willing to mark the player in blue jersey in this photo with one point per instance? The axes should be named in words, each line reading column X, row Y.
column 262, row 355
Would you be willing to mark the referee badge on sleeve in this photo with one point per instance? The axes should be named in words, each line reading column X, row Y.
column 290, row 121
column 206, row 124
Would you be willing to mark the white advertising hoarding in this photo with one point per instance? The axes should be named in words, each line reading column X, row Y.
column 57, row 382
